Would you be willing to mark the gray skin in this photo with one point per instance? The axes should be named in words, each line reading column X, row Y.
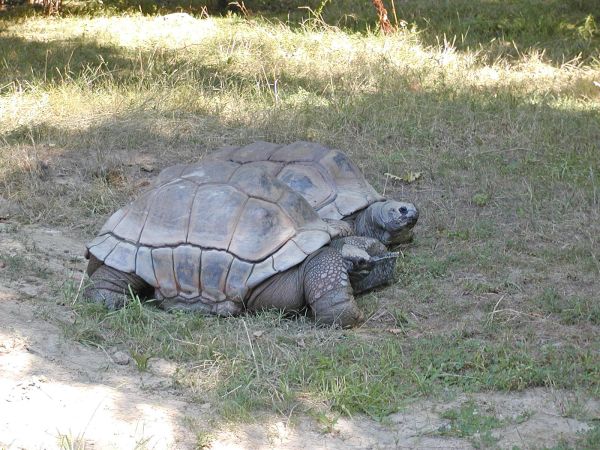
column 390, row 222
column 329, row 299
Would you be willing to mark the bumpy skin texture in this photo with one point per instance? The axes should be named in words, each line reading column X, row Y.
column 321, row 284
column 373, row 265
column 327, row 289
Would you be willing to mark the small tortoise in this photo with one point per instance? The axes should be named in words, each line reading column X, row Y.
column 221, row 237
column 332, row 185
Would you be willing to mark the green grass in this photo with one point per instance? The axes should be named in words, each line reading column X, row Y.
column 469, row 420
column 285, row 362
column 570, row 310
column 499, row 291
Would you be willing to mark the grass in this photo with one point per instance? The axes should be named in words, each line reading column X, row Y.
column 285, row 364
column 499, row 290
column 467, row 421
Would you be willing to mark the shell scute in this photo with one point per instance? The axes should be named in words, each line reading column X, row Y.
column 169, row 214
column 262, row 229
column 144, row 267
column 209, row 172
column 103, row 249
column 261, row 271
column 122, row 257
column 299, row 151
column 132, row 223
column 186, row 265
column 214, row 216
column 258, row 150
column 306, row 179
column 215, row 266
column 162, row 260
column 299, row 211
column 236, row 286
column 256, row 182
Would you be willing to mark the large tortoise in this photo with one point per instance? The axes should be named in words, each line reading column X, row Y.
column 221, row 237
column 332, row 184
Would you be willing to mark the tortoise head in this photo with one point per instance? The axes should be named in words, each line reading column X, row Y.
column 391, row 221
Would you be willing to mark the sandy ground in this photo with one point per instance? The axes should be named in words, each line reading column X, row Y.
column 55, row 393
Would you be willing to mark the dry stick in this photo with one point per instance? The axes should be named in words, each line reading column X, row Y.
column 394, row 14
column 79, row 288
column 251, row 347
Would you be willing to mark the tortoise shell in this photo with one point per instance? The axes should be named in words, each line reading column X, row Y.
column 214, row 229
column 326, row 178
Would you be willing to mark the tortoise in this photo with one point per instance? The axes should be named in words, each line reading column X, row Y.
column 221, row 237
column 333, row 185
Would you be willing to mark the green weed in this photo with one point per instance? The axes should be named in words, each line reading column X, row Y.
column 469, row 420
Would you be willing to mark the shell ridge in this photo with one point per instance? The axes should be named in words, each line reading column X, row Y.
column 237, row 222
column 187, row 233
column 226, row 277
column 177, row 285
column 173, row 246
column 146, row 213
column 123, row 217
column 273, row 152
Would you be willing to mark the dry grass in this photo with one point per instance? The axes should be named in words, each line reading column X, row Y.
column 506, row 263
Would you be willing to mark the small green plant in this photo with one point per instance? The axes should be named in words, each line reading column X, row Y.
column 480, row 199
column 589, row 28
column 591, row 439
column 550, row 300
column 469, row 420
column 204, row 439
column 141, row 360
column 70, row 442
column 326, row 421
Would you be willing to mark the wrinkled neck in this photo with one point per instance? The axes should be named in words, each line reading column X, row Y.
column 366, row 225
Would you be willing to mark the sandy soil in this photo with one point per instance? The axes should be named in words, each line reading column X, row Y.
column 55, row 393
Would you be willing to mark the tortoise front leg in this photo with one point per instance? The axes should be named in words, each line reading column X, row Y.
column 110, row 287
column 370, row 263
column 327, row 289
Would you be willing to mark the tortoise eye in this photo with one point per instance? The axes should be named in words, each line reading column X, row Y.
column 403, row 210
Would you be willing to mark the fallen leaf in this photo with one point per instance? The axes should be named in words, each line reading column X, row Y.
column 395, row 330
column 393, row 177
column 409, row 177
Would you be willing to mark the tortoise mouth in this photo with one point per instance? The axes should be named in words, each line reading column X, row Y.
column 406, row 222
column 397, row 219
column 399, row 216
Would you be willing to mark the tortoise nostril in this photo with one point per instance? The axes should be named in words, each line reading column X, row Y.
column 403, row 210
